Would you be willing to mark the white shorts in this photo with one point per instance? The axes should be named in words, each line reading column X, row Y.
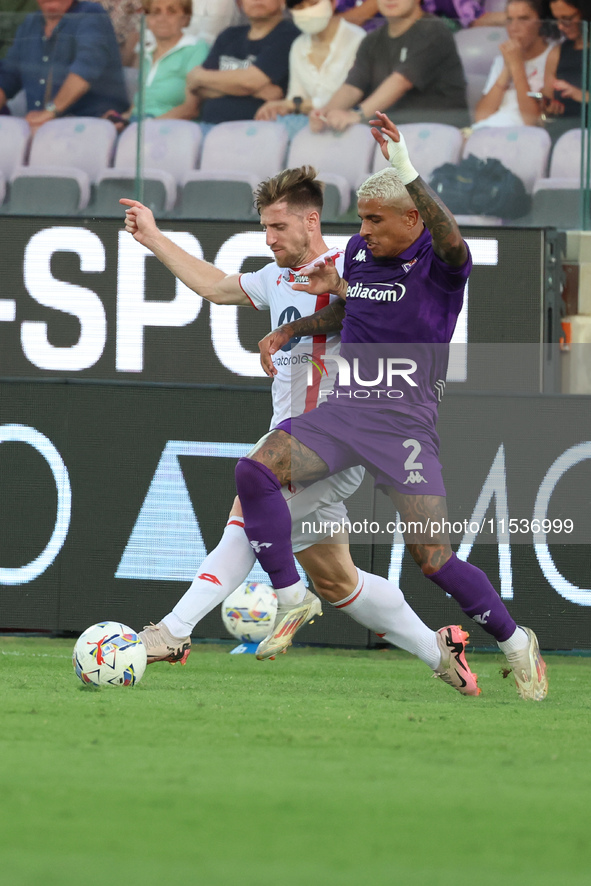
column 320, row 503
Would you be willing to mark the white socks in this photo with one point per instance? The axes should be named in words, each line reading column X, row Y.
column 517, row 641
column 379, row 605
column 293, row 594
column 222, row 571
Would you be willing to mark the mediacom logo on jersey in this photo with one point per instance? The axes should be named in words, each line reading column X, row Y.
column 378, row 291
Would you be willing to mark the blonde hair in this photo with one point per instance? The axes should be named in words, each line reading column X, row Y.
column 299, row 188
column 386, row 186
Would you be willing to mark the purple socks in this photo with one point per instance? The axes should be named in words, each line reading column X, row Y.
column 470, row 587
column 267, row 521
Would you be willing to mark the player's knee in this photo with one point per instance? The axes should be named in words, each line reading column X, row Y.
column 328, row 589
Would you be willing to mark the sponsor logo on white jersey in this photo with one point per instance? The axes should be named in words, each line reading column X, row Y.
column 377, row 291
column 360, row 255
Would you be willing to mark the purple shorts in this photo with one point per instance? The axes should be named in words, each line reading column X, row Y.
column 397, row 450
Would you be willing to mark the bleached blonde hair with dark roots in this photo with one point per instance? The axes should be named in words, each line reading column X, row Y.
column 385, row 185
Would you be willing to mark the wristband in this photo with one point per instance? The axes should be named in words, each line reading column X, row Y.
column 400, row 160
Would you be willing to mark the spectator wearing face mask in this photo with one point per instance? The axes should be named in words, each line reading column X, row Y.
column 319, row 61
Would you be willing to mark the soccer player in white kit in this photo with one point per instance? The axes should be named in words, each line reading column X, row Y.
column 290, row 205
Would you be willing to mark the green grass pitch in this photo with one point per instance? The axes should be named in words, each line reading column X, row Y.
column 336, row 768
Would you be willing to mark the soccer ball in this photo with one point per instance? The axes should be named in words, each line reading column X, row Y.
column 109, row 654
column 249, row 612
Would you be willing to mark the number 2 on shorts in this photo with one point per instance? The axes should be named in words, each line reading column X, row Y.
column 411, row 463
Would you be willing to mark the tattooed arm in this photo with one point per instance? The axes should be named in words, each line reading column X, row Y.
column 448, row 242
column 323, row 322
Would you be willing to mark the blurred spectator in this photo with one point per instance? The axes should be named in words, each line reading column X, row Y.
column 65, row 57
column 409, row 68
column 168, row 61
column 361, row 12
column 247, row 65
column 517, row 72
column 211, row 17
column 319, row 59
column 456, row 13
column 563, row 85
column 125, row 18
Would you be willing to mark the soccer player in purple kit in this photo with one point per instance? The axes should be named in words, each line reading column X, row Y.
column 290, row 206
column 403, row 284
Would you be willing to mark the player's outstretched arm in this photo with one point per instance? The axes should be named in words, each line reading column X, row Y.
column 200, row 276
column 324, row 322
column 448, row 242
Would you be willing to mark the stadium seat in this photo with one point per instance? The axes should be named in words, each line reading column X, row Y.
column 65, row 157
column 477, row 48
column 236, row 156
column 49, row 190
column 14, row 141
column 170, row 150
column 429, row 145
column 557, row 199
column 522, row 149
column 85, row 143
column 566, row 156
column 341, row 158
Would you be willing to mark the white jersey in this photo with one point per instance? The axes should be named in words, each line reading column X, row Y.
column 270, row 290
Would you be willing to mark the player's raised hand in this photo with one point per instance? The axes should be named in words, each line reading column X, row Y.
column 393, row 147
column 139, row 220
column 269, row 345
column 322, row 277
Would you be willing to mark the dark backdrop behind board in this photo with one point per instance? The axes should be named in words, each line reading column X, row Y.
column 150, row 472
column 119, row 439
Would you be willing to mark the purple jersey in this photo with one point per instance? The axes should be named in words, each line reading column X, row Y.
column 400, row 316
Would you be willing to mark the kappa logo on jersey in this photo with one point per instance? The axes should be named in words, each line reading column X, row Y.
column 360, row 256
column 257, row 546
column 378, row 291
column 288, row 316
column 408, row 265
column 415, row 477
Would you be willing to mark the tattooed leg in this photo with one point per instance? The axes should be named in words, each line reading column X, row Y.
column 429, row 550
column 467, row 584
column 289, row 459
